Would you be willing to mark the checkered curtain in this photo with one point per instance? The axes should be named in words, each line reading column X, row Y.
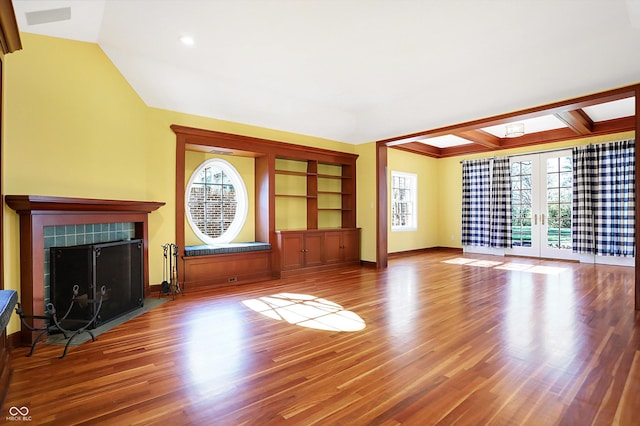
column 500, row 204
column 476, row 180
column 486, row 202
column 584, row 181
column 604, row 199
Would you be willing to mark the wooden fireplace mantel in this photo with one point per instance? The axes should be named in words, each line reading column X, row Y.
column 38, row 211
column 34, row 204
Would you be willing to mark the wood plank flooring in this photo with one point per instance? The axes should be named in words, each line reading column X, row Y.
column 473, row 341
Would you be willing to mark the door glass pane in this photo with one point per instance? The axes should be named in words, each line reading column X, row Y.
column 559, row 194
column 521, row 198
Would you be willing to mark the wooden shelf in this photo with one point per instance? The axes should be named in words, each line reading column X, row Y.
column 329, row 186
column 294, row 173
column 295, row 196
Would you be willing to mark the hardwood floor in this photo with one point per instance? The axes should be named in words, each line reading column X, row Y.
column 504, row 341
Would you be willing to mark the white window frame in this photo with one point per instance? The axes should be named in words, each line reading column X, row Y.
column 412, row 225
column 242, row 205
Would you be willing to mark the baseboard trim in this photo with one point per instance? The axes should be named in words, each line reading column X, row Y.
column 14, row 340
column 423, row 251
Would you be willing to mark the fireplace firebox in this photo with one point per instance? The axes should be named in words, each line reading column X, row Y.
column 117, row 265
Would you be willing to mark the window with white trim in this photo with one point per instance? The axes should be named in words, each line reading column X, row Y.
column 216, row 201
column 404, row 201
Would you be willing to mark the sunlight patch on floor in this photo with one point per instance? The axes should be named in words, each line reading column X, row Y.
column 536, row 269
column 510, row 266
column 306, row 311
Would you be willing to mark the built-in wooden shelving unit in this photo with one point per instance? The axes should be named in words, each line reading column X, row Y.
column 306, row 190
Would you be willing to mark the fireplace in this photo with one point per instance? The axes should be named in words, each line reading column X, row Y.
column 37, row 212
column 116, row 265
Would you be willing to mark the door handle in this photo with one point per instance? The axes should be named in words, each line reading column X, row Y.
column 542, row 218
column 535, row 219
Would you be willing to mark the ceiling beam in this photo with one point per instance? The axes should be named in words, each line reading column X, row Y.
column 480, row 137
column 420, row 148
column 617, row 125
column 577, row 120
column 9, row 33
column 553, row 108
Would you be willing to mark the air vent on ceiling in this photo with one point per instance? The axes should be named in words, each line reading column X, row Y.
column 49, row 15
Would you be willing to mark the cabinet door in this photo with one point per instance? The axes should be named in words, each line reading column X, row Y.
column 313, row 248
column 291, row 251
column 351, row 245
column 333, row 247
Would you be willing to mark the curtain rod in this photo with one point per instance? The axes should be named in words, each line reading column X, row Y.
column 550, row 150
column 542, row 152
column 529, row 153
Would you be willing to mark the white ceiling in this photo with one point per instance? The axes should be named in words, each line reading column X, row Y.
column 356, row 70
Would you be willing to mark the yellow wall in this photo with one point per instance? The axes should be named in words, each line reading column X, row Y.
column 426, row 169
column 74, row 127
column 366, row 200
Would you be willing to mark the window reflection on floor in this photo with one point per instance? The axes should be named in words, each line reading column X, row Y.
column 214, row 358
column 307, row 311
column 510, row 266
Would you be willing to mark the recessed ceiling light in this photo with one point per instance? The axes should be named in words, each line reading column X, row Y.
column 187, row 40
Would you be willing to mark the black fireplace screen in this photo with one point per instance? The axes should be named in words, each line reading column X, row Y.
column 117, row 265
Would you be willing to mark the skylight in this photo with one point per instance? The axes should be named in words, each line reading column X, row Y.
column 446, row 141
column 532, row 125
column 610, row 110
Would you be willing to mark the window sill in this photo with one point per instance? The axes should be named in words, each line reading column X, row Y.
column 413, row 229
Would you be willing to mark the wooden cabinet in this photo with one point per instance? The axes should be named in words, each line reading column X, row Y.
column 291, row 247
column 315, row 215
column 342, row 246
column 303, row 251
column 300, row 249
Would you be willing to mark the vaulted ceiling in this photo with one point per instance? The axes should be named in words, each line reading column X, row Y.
column 414, row 73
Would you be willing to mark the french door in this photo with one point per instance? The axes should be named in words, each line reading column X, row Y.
column 541, row 197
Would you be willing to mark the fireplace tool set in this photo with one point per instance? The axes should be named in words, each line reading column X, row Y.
column 170, row 284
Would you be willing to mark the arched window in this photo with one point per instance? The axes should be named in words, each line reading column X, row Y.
column 216, row 201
